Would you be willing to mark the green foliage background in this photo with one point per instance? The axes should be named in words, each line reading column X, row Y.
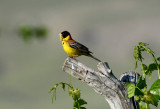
column 110, row 29
column 140, row 91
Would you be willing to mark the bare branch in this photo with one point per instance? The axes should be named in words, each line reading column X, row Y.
column 102, row 81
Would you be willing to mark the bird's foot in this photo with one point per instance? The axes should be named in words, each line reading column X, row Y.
column 73, row 57
column 70, row 56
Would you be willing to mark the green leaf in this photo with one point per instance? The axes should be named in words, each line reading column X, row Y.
column 142, row 106
column 136, row 98
column 40, row 32
column 138, row 92
column 141, row 83
column 81, row 102
column 142, row 44
column 144, row 68
column 152, row 67
column 130, row 90
column 155, row 100
column 137, row 54
column 149, row 51
column 26, row 31
column 155, row 88
column 75, row 105
column 150, row 98
column 158, row 59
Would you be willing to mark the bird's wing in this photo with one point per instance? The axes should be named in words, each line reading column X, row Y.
column 80, row 47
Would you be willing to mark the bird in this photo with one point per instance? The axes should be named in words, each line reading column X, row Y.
column 74, row 48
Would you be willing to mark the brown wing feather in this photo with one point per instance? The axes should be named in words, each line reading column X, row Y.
column 80, row 47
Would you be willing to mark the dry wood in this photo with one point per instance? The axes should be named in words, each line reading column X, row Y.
column 102, row 81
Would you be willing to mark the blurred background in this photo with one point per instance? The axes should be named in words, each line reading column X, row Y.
column 31, row 55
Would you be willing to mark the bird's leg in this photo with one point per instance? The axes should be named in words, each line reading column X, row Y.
column 74, row 57
column 71, row 57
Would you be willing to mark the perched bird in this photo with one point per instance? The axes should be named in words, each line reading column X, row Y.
column 73, row 48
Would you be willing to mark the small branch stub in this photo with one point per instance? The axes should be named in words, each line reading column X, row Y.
column 102, row 81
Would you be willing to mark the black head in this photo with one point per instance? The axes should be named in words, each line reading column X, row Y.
column 65, row 34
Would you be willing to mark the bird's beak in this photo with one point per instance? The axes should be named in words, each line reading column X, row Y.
column 61, row 37
column 59, row 34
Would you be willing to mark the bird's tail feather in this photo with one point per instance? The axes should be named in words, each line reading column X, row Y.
column 95, row 58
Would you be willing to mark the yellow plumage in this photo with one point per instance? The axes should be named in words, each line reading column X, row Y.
column 70, row 51
column 73, row 48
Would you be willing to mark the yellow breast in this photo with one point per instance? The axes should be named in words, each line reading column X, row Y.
column 70, row 51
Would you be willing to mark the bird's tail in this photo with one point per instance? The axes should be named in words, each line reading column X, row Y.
column 95, row 58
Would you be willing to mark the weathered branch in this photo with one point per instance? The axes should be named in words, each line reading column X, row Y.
column 102, row 81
